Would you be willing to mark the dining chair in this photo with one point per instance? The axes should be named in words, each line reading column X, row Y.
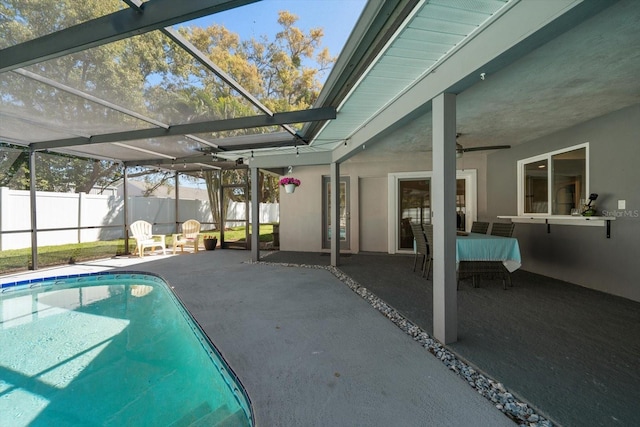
column 428, row 232
column 421, row 247
column 478, row 269
column 503, row 229
column 479, row 227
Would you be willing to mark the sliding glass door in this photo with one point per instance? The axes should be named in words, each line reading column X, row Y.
column 410, row 197
column 414, row 207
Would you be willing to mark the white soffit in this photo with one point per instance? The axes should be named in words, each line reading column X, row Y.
column 435, row 31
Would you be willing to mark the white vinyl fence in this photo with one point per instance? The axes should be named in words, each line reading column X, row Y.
column 73, row 210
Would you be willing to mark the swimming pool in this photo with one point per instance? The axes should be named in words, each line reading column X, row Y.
column 110, row 349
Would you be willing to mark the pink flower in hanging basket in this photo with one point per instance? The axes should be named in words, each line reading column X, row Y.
column 289, row 180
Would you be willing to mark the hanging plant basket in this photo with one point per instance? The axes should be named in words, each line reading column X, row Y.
column 289, row 183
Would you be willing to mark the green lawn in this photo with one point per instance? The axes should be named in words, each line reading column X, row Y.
column 20, row 259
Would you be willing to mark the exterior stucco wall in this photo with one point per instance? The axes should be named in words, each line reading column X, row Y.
column 301, row 212
column 373, row 215
column 578, row 254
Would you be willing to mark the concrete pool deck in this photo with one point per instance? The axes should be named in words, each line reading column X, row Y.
column 310, row 351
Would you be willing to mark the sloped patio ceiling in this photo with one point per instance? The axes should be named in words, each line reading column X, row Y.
column 546, row 66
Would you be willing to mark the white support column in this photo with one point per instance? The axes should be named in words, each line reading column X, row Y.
column 445, row 305
column 255, row 215
column 335, row 213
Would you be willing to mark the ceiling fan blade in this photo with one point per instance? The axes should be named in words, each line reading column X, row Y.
column 488, row 147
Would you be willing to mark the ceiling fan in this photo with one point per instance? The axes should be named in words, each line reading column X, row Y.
column 460, row 150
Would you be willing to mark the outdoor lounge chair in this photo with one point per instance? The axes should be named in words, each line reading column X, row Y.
column 142, row 231
column 190, row 235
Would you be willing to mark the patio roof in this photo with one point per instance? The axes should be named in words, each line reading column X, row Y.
column 108, row 128
column 516, row 67
column 520, row 70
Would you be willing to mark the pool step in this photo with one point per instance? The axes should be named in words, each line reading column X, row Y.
column 236, row 419
column 221, row 417
column 193, row 416
column 202, row 416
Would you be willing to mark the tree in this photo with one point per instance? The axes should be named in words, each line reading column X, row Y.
column 115, row 72
column 273, row 71
column 152, row 76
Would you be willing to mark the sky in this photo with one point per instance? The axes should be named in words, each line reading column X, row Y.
column 336, row 17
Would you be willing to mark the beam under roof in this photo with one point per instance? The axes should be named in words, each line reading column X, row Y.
column 156, row 14
column 315, row 114
column 282, row 160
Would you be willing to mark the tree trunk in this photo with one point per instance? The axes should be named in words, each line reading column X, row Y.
column 212, row 178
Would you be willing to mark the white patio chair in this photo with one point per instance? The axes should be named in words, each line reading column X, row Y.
column 190, row 235
column 143, row 233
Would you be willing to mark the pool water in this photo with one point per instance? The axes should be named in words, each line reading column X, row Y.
column 110, row 349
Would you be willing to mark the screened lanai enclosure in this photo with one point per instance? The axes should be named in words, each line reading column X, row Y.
column 115, row 111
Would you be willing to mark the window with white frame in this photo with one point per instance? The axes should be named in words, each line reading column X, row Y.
column 553, row 183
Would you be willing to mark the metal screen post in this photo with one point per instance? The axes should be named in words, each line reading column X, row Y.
column 125, row 194
column 335, row 214
column 32, row 198
column 176, row 209
column 255, row 215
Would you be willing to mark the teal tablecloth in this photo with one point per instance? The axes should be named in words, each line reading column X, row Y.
column 485, row 247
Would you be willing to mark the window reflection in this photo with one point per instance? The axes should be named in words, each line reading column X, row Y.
column 415, row 207
column 569, row 178
column 536, row 198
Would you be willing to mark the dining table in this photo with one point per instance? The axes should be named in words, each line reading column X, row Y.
column 486, row 247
